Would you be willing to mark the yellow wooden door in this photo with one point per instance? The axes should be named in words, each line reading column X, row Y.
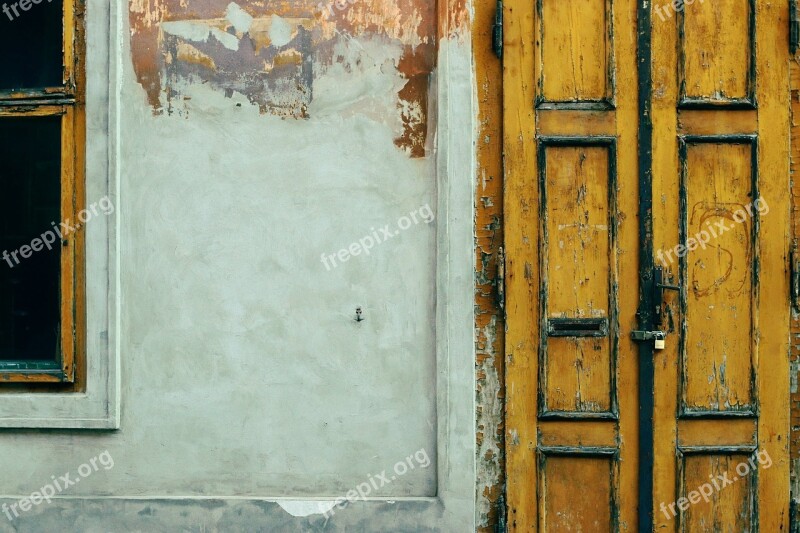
column 647, row 245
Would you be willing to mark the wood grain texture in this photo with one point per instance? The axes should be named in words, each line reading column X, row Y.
column 666, row 207
column 577, row 262
column 794, row 81
column 717, row 367
column 574, row 55
column 521, row 200
column 735, row 319
column 730, row 506
column 735, row 291
column 716, row 50
column 564, row 510
column 773, row 327
column 583, row 266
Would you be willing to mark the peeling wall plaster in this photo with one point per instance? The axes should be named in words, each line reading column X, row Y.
column 245, row 376
column 276, row 53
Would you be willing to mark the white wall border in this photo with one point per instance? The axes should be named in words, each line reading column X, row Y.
column 99, row 406
column 455, row 296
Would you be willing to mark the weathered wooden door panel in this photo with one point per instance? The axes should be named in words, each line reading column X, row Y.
column 585, row 49
column 720, row 226
column 571, row 269
column 716, row 94
column 578, row 346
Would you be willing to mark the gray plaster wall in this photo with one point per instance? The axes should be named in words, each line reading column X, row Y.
column 251, row 397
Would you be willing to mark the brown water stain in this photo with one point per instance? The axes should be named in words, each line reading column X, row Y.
column 175, row 42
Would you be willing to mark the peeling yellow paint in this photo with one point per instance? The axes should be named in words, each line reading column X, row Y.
column 190, row 54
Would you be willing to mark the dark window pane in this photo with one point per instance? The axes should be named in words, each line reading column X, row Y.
column 30, row 191
column 31, row 42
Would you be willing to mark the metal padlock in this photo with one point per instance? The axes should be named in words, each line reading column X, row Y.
column 661, row 340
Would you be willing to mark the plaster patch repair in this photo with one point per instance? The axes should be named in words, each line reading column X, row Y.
column 277, row 55
column 303, row 508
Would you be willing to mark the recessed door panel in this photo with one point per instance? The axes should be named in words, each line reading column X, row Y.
column 575, row 57
column 578, row 350
column 718, row 267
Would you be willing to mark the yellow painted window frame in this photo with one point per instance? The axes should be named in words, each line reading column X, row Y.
column 69, row 102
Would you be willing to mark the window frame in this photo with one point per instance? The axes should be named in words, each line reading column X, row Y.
column 67, row 101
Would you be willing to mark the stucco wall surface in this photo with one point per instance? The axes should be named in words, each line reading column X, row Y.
column 257, row 141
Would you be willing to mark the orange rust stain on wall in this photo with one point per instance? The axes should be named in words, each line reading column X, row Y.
column 175, row 42
column 416, row 65
column 412, row 22
column 454, row 20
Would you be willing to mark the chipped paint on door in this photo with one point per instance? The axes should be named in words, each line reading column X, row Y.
column 571, row 270
column 721, row 208
column 719, row 228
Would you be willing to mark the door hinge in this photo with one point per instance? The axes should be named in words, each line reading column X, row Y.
column 501, row 280
column 497, row 30
column 794, row 27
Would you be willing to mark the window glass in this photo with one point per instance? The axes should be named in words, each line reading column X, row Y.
column 30, row 178
column 31, row 41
